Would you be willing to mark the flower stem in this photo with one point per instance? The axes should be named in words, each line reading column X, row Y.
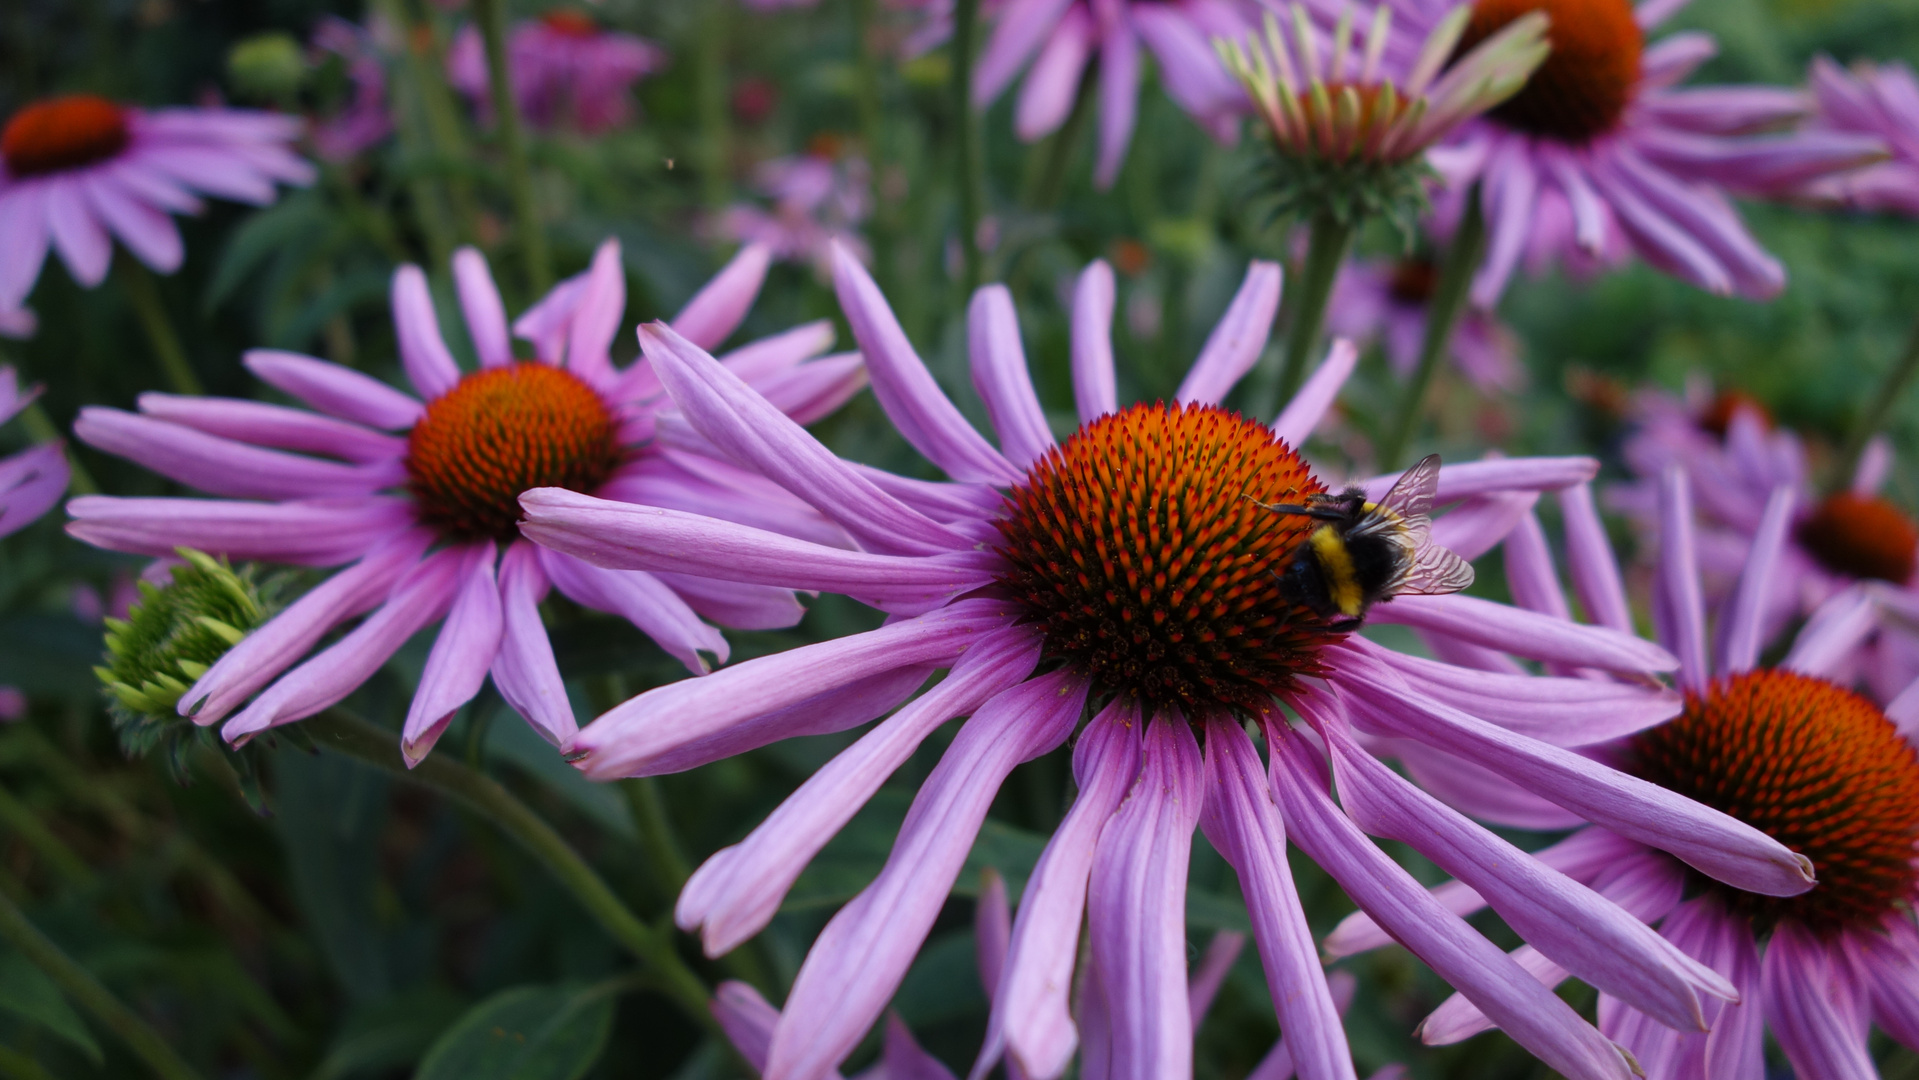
column 140, row 288
column 1442, row 315
column 80, row 985
column 1061, row 148
column 1325, row 250
column 1880, row 406
column 709, row 60
column 491, row 15
column 348, row 734
column 886, row 212
column 656, row 832
column 968, row 158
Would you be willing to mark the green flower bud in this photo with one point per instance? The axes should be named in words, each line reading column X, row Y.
column 267, row 67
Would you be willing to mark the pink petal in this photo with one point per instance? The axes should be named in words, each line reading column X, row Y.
column 1498, row 475
column 221, row 466
column 1023, row 28
column 1000, row 376
column 524, row 670
column 485, row 314
column 1742, row 622
column 1118, row 99
column 23, row 221
column 1813, row 1007
column 147, row 232
column 1093, row 380
column 1295, row 423
column 335, row 390
column 833, row 710
column 1236, row 342
column 1589, row 559
column 260, row 424
column 1203, row 985
column 423, row 353
column 773, row 354
column 321, row 532
column 1524, row 633
column 31, row 483
column 717, row 309
column 1052, row 86
column 643, row 600
column 457, row 665
column 78, row 235
column 1678, row 606
column 596, row 320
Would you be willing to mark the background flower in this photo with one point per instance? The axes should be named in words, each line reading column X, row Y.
column 1880, row 101
column 568, row 71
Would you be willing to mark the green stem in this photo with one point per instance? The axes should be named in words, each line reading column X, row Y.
column 886, row 216
column 1873, row 417
column 410, row 91
column 491, row 15
column 1442, row 315
column 1325, row 250
column 969, row 156
column 656, row 833
column 709, row 60
column 347, row 734
column 141, row 289
column 1063, row 145
column 83, row 988
column 442, row 114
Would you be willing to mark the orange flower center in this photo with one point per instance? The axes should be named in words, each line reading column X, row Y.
column 570, row 23
column 1861, row 536
column 1812, row 765
column 1585, row 84
column 1139, row 548
column 63, row 133
column 500, row 432
column 1717, row 416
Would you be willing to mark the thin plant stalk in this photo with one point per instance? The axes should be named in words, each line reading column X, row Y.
column 886, row 216
column 1326, row 243
column 491, row 16
column 431, row 209
column 969, row 156
column 85, row 990
column 345, row 733
column 1442, row 315
column 144, row 293
column 656, row 832
column 1878, row 408
column 1064, row 145
column 709, row 60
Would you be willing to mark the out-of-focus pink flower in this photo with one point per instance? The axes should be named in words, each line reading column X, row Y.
column 19, row 323
column 817, row 199
column 1385, row 301
column 419, row 495
column 567, row 71
column 1022, row 574
column 1602, row 155
column 33, row 480
column 1788, row 750
column 124, row 592
column 13, row 704
column 79, row 170
column 1879, row 100
column 364, row 120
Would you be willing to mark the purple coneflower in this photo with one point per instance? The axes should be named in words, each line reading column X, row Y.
column 1874, row 100
column 33, row 480
column 1131, row 572
column 1387, row 300
column 1601, row 153
column 819, row 199
column 420, row 495
column 568, row 71
column 78, row 170
column 363, row 119
column 1788, row 750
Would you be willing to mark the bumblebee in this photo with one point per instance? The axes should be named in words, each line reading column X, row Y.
column 1369, row 552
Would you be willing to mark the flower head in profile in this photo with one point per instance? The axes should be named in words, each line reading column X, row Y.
column 1386, row 300
column 1601, row 154
column 1878, row 101
column 1155, row 570
column 1351, row 117
column 567, row 71
column 419, row 496
column 1789, row 750
column 78, row 171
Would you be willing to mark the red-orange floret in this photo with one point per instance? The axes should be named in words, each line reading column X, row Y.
column 1861, row 536
column 1812, row 765
column 1588, row 79
column 570, row 23
column 500, row 432
column 1140, row 550
column 63, row 133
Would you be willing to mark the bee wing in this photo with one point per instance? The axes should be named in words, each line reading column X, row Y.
column 1411, row 497
column 1436, row 571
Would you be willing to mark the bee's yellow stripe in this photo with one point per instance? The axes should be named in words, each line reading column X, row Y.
column 1336, row 563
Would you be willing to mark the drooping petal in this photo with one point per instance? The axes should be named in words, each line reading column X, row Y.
column 1203, row 985
column 1234, row 346
column 1813, row 1007
column 1886, row 959
column 524, row 670
column 1000, row 376
column 31, row 483
column 465, row 648
column 1118, row 99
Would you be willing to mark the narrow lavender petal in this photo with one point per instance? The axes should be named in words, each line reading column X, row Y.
column 32, row 482
column 1564, row 920
column 622, row 536
column 1030, row 1019
column 1478, row 524
column 992, row 929
column 1203, row 985
column 1046, row 101
column 1295, row 423
column 1524, row 633
column 1458, row 1019
column 958, row 505
column 423, row 353
column 1020, row 31
column 1813, row 1007
column 1094, row 388
column 524, row 671
column 480, row 302
column 1903, row 711
column 902, row 1058
column 320, row 532
column 262, row 655
column 78, row 235
column 643, row 600
column 596, row 320
column 1000, row 376
column 747, row 1018
column 1245, row 827
column 737, row 606
column 220, row 466
column 1742, row 623
column 1537, row 1020
column 1834, row 633
column 1679, row 605
column 147, row 232
column 1278, row 1062
column 1480, row 792
column 546, row 323
column 1589, row 557
column 1234, row 346
column 750, row 430
column 907, row 391
column 1529, row 570
column 778, row 352
column 23, row 220
column 260, row 424
column 717, row 309
column 859, row 958
column 1511, row 194
column 708, row 486
column 839, row 709
column 1886, row 961
column 813, row 391
column 1736, row 1047
column 627, row 737
column 465, row 648
column 334, row 390
column 1714, row 843
column 1136, row 907
column 1118, row 99
column 1497, row 475
column 419, row 600
column 1875, row 464
column 738, row 890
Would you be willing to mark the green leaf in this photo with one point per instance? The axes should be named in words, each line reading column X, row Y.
column 263, row 236
column 25, row 990
column 526, row 1033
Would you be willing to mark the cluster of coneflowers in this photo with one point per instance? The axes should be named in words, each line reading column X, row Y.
column 1159, row 587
